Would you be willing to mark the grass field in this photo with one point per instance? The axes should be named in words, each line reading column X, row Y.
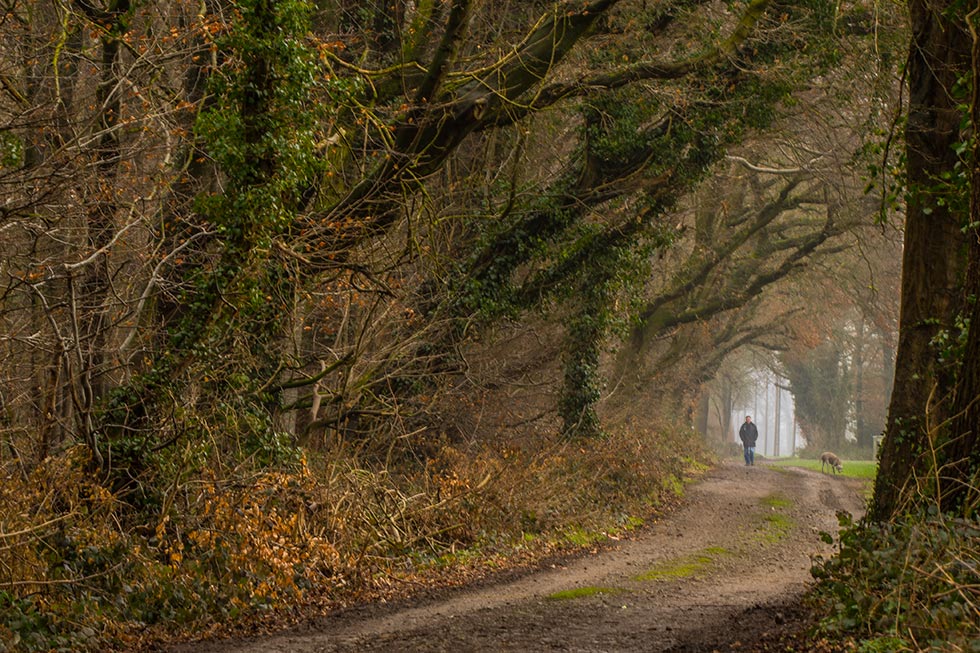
column 855, row 468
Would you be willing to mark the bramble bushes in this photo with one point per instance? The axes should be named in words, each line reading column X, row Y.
column 594, row 484
column 908, row 585
column 81, row 569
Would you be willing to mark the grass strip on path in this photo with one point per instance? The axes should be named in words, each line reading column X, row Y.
column 866, row 469
column 584, row 592
column 685, row 566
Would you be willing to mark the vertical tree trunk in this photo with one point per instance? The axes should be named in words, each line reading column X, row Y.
column 727, row 406
column 90, row 290
column 765, row 422
column 704, row 407
column 175, row 225
column 52, row 75
column 775, row 438
column 838, row 416
column 581, row 386
column 934, row 253
column 860, row 429
column 792, row 450
column 960, row 481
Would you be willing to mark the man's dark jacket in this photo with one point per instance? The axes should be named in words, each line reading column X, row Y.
column 748, row 434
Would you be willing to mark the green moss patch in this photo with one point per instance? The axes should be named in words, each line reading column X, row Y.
column 674, row 485
column 583, row 592
column 577, row 536
column 717, row 551
column 776, row 501
column 775, row 527
column 685, row 567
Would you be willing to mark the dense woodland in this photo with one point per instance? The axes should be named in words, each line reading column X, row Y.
column 299, row 297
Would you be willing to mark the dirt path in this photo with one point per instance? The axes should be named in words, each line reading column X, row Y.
column 718, row 573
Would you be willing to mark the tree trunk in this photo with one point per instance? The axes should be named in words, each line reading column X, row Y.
column 959, row 484
column 775, row 437
column 860, row 428
column 704, row 409
column 934, row 253
column 726, row 408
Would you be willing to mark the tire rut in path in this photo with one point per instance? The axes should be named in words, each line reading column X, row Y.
column 716, row 572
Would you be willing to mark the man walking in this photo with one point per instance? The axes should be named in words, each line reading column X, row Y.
column 748, row 434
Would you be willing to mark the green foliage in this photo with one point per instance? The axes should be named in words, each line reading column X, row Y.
column 270, row 448
column 261, row 129
column 209, row 511
column 614, row 126
column 775, row 527
column 886, row 171
column 627, row 133
column 950, row 344
column 674, row 485
column 582, row 382
column 821, row 386
column 884, row 645
column 607, row 291
column 914, row 578
column 11, row 150
column 25, row 627
column 580, row 537
column 223, row 549
column 226, row 543
column 262, row 113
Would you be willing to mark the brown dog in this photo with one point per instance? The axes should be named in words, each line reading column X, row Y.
column 828, row 458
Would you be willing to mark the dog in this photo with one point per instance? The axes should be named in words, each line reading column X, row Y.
column 828, row 458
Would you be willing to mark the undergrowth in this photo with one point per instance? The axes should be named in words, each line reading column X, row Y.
column 80, row 569
column 908, row 585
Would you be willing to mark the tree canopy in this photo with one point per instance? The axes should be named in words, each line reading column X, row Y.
column 246, row 188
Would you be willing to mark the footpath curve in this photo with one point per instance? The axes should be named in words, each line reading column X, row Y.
column 722, row 572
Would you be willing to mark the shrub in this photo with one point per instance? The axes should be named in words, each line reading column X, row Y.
column 912, row 581
column 80, row 569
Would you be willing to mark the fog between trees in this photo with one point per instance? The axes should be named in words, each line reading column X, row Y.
column 405, row 241
column 309, row 216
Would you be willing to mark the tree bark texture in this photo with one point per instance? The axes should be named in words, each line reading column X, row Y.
column 959, row 485
column 934, row 254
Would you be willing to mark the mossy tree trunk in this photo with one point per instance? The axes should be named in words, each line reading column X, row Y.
column 959, row 488
column 934, row 257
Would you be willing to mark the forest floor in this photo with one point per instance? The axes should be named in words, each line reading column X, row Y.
column 723, row 571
